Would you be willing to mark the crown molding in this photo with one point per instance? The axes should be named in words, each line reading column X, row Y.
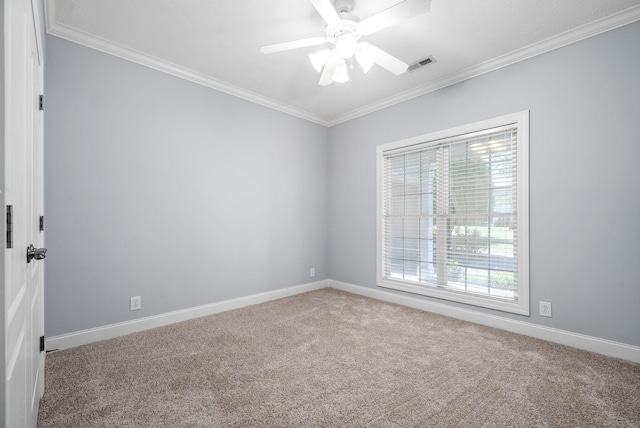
column 603, row 25
column 62, row 31
column 611, row 22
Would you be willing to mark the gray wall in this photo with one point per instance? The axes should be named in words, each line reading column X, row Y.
column 584, row 103
column 161, row 188
column 165, row 189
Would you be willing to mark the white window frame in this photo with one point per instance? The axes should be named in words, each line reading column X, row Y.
column 521, row 305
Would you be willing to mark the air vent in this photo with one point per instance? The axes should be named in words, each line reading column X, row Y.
column 421, row 63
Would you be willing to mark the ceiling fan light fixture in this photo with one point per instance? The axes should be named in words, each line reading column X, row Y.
column 319, row 59
column 341, row 75
column 364, row 58
column 346, row 46
column 344, row 30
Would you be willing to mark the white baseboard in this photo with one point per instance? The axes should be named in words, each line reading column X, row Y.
column 111, row 331
column 563, row 337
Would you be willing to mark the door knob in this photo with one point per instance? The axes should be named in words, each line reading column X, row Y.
column 35, row 253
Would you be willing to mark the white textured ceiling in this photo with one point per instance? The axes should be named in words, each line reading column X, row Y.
column 216, row 43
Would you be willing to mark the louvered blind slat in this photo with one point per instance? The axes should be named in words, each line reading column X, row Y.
column 450, row 213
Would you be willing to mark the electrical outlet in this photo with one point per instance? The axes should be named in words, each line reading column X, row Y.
column 312, row 272
column 135, row 303
column 545, row 309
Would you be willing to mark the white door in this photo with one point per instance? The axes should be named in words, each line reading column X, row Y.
column 35, row 201
column 23, row 183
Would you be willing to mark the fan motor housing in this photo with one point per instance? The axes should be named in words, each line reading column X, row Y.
column 345, row 26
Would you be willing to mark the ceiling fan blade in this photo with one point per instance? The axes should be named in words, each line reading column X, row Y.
column 326, row 10
column 394, row 15
column 279, row 47
column 384, row 59
column 329, row 70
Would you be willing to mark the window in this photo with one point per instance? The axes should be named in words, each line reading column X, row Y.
column 453, row 214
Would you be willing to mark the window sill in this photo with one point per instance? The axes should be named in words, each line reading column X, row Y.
column 521, row 307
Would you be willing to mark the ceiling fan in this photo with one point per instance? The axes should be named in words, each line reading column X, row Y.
column 344, row 31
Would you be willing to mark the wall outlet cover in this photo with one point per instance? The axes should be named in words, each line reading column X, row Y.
column 545, row 309
column 135, row 303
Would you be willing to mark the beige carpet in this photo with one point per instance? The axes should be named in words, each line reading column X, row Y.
column 329, row 358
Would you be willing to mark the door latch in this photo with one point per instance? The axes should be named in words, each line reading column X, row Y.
column 35, row 253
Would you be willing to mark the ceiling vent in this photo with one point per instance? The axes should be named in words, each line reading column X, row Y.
column 421, row 63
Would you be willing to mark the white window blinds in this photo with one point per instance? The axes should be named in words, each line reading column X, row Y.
column 450, row 214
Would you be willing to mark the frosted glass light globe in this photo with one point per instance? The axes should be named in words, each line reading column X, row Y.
column 341, row 75
column 346, row 46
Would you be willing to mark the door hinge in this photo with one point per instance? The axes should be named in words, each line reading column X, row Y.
column 41, row 343
column 41, row 223
column 41, row 105
column 9, row 226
